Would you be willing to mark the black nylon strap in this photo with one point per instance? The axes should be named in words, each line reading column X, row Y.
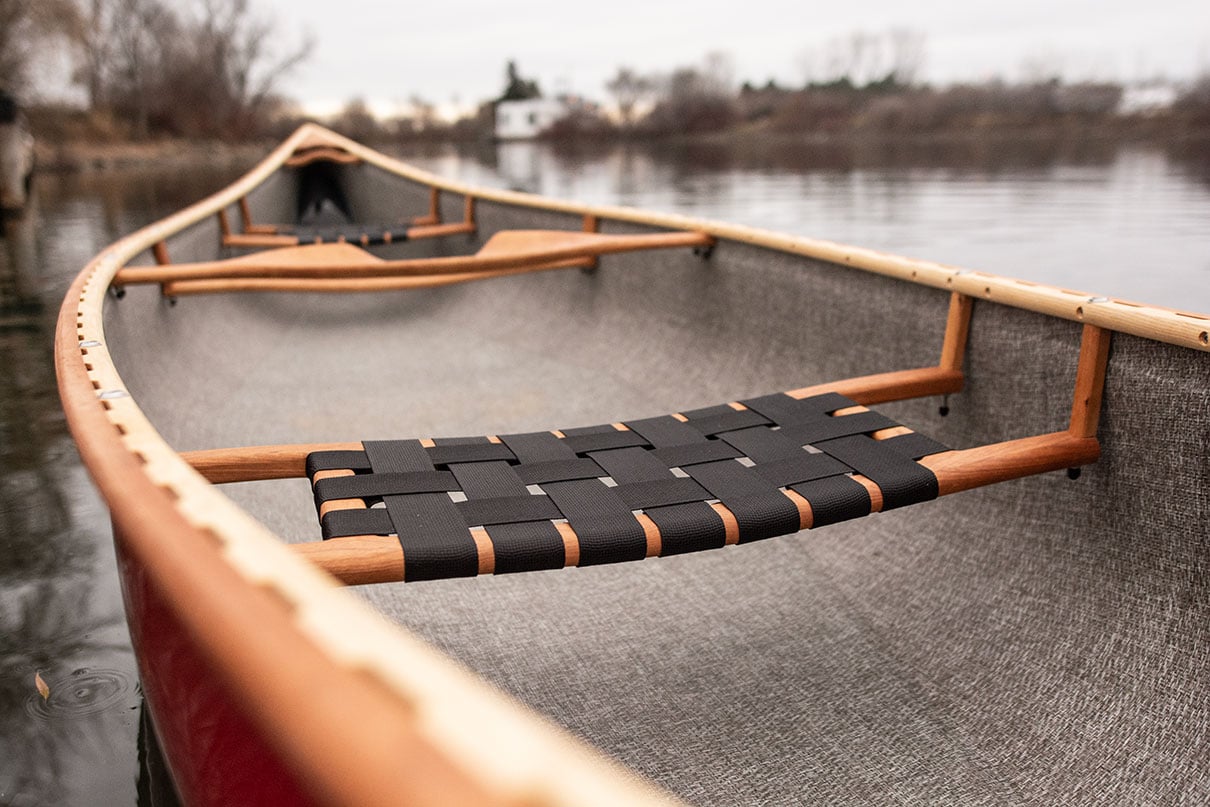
column 435, row 539
column 597, row 478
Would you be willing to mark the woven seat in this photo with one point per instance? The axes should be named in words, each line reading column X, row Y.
column 701, row 479
column 609, row 483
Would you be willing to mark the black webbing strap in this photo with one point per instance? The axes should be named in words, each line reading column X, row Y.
column 603, row 481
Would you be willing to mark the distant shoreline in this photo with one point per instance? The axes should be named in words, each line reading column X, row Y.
column 86, row 156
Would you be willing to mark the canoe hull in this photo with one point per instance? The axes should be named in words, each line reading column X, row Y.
column 214, row 754
column 1016, row 643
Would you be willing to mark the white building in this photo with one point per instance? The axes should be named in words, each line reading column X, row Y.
column 525, row 120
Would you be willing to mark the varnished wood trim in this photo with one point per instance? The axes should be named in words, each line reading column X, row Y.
column 187, row 287
column 273, row 267
column 897, row 385
column 1184, row 328
column 1000, row 462
column 321, row 154
column 1090, row 381
column 259, row 240
column 416, row 233
column 955, row 470
column 957, row 330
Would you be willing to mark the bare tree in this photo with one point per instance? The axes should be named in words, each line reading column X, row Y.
column 24, row 26
column 629, row 89
column 236, row 44
column 907, row 55
column 141, row 50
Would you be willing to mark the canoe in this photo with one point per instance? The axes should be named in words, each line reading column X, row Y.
column 603, row 591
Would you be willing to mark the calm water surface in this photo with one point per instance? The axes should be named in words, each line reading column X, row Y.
column 1133, row 223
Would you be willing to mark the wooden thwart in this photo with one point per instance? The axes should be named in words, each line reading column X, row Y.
column 506, row 251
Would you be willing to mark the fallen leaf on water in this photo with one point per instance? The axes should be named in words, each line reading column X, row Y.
column 43, row 689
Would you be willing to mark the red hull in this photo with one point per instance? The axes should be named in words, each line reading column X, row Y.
column 215, row 756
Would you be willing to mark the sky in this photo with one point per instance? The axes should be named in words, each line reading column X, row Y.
column 454, row 53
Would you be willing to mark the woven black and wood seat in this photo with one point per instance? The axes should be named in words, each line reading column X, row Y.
column 701, row 479
column 610, row 484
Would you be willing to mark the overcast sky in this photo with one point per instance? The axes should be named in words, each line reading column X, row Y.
column 388, row 52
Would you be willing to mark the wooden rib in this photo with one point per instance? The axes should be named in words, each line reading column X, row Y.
column 1090, row 381
column 957, row 329
column 159, row 251
column 186, row 287
column 506, row 250
column 893, row 386
column 468, row 210
column 224, row 224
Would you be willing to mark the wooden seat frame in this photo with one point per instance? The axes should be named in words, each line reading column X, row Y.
column 372, row 558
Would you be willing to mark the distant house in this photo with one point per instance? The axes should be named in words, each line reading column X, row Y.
column 1150, row 98
column 525, row 120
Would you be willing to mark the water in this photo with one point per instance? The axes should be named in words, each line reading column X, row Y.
column 1128, row 222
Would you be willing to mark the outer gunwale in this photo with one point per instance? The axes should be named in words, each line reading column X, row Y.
column 221, row 569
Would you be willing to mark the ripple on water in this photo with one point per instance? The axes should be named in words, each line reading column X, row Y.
column 84, row 692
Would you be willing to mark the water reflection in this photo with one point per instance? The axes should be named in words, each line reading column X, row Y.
column 1121, row 220
column 61, row 617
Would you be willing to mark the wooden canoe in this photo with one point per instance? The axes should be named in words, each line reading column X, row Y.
column 1029, row 639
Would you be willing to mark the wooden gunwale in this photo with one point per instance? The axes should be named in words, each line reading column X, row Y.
column 223, row 571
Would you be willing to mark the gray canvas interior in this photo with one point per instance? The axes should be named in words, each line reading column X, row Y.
column 1037, row 641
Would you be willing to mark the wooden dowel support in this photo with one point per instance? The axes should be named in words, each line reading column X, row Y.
column 1090, row 381
column 957, row 329
column 159, row 251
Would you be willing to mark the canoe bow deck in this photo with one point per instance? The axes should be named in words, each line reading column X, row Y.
column 1018, row 643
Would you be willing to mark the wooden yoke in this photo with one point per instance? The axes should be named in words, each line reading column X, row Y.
column 315, row 267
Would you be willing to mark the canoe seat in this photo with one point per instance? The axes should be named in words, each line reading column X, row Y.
column 658, row 486
column 700, row 479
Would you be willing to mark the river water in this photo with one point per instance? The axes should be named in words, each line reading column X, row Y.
column 1127, row 222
